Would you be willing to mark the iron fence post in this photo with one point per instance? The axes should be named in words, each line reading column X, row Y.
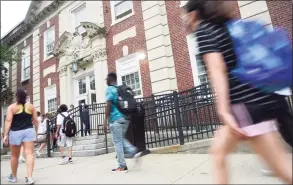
column 178, row 117
column 81, row 119
column 48, row 139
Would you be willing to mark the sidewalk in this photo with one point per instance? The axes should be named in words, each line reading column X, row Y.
column 155, row 168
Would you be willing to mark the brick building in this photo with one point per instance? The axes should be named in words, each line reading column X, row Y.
column 68, row 47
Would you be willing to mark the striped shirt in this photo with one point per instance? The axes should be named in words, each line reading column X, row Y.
column 215, row 38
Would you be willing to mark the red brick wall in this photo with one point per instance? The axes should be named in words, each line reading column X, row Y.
column 179, row 46
column 28, row 84
column 281, row 14
column 135, row 44
column 45, row 64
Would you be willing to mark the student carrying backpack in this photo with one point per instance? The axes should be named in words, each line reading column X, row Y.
column 126, row 102
column 69, row 126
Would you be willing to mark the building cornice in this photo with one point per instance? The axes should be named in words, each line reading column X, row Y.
column 30, row 21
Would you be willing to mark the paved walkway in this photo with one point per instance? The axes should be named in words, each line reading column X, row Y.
column 154, row 169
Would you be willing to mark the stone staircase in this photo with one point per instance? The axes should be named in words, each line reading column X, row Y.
column 82, row 146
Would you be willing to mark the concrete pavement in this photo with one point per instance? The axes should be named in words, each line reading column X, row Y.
column 155, row 168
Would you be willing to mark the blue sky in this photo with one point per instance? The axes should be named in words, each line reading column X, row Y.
column 12, row 13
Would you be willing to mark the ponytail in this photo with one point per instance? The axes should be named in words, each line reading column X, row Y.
column 215, row 11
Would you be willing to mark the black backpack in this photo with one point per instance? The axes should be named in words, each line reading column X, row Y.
column 69, row 126
column 126, row 102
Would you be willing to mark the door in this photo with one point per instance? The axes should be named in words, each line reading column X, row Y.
column 86, row 90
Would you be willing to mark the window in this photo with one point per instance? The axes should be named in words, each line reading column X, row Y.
column 79, row 15
column 120, row 9
column 201, row 71
column 25, row 63
column 82, row 86
column 132, row 81
column 128, row 73
column 52, row 105
column 92, row 83
column 50, row 99
column 49, row 42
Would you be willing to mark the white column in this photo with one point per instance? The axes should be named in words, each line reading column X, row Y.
column 36, row 69
column 63, row 84
column 101, row 71
column 159, row 49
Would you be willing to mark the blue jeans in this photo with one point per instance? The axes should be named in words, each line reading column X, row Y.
column 118, row 129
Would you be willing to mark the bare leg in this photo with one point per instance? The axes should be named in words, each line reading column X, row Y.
column 70, row 152
column 15, row 151
column 223, row 144
column 41, row 147
column 269, row 147
column 21, row 157
column 30, row 159
column 62, row 151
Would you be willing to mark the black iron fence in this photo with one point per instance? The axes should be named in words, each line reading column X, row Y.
column 170, row 119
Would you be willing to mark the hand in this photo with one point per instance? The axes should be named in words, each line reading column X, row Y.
column 230, row 121
column 56, row 135
column 5, row 140
column 105, row 126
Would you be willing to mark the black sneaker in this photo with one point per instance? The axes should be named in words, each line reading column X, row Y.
column 70, row 160
column 120, row 170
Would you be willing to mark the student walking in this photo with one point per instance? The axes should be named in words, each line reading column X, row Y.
column 118, row 124
column 19, row 130
column 42, row 134
column 64, row 141
column 247, row 113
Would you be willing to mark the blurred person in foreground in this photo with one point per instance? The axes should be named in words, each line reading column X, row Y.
column 20, row 118
column 42, row 134
column 247, row 113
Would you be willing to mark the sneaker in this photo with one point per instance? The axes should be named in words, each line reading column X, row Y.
column 29, row 180
column 12, row 179
column 38, row 153
column 21, row 160
column 137, row 157
column 266, row 172
column 70, row 160
column 120, row 170
column 65, row 160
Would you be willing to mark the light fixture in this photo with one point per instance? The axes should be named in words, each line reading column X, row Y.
column 74, row 67
column 141, row 56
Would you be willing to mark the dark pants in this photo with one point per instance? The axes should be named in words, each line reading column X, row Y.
column 285, row 120
column 87, row 129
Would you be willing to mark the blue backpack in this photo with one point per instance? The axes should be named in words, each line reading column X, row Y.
column 264, row 57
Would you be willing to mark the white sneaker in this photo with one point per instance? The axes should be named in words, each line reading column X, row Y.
column 38, row 153
column 29, row 180
column 21, row 160
column 65, row 160
column 266, row 172
column 12, row 179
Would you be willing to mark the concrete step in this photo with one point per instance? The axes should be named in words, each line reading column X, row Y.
column 90, row 141
column 84, row 153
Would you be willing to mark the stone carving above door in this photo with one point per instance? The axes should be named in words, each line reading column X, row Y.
column 79, row 45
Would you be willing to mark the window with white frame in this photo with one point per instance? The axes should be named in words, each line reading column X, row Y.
column 92, row 82
column 49, row 41
column 82, row 86
column 120, row 9
column 25, row 63
column 132, row 81
column 79, row 15
column 128, row 73
column 50, row 99
column 198, row 69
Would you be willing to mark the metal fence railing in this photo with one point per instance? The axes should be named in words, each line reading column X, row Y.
column 170, row 119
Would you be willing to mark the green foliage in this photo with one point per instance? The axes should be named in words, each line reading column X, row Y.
column 7, row 57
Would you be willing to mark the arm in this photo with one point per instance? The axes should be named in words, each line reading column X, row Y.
column 8, row 121
column 59, row 123
column 35, row 119
column 108, row 109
